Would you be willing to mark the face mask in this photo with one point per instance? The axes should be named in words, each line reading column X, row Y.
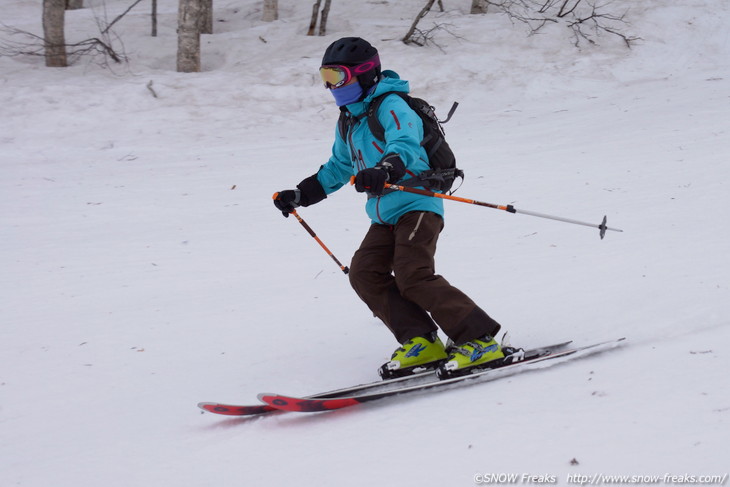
column 347, row 94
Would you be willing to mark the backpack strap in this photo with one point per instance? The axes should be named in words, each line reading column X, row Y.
column 435, row 179
column 347, row 121
column 342, row 122
column 430, row 178
column 376, row 128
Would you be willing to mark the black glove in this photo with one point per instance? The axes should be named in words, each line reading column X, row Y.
column 308, row 192
column 372, row 180
column 287, row 200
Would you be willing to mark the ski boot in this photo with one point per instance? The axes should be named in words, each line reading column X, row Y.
column 474, row 355
column 416, row 355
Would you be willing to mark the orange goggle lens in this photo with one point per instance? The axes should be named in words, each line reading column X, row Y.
column 334, row 76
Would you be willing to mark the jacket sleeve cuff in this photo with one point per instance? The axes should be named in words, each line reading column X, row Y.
column 394, row 165
column 311, row 191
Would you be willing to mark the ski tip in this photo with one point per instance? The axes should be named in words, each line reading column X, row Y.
column 274, row 400
column 613, row 343
column 235, row 410
column 209, row 407
column 619, row 342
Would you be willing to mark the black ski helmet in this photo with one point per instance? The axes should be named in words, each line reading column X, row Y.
column 351, row 51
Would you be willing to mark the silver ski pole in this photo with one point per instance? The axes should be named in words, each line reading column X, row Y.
column 602, row 227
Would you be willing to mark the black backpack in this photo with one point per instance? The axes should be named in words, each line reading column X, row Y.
column 441, row 158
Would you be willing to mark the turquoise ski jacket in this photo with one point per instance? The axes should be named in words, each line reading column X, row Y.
column 403, row 135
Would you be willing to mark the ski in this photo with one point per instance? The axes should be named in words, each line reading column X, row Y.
column 250, row 410
column 408, row 380
column 313, row 404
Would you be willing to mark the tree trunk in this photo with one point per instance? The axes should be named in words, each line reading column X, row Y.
column 323, row 19
column 478, row 7
column 188, row 36
column 154, row 18
column 53, row 33
column 313, row 22
column 271, row 10
column 425, row 10
column 206, row 16
column 74, row 4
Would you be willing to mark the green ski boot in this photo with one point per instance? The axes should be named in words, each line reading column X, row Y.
column 477, row 354
column 416, row 355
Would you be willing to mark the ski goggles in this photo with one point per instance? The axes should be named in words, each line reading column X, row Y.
column 337, row 75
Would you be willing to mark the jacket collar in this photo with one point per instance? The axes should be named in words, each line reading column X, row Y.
column 390, row 81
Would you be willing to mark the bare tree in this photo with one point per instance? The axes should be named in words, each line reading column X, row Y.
column 119, row 17
column 154, row 18
column 408, row 38
column 52, row 44
column 323, row 20
column 34, row 45
column 478, row 7
column 587, row 19
column 206, row 16
column 54, row 34
column 315, row 14
column 188, row 36
column 74, row 4
column 270, row 11
column 421, row 37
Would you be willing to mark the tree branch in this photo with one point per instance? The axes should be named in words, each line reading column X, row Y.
column 119, row 17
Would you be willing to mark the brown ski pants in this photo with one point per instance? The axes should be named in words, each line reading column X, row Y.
column 393, row 272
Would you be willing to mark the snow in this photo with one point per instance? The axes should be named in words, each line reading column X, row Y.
column 144, row 268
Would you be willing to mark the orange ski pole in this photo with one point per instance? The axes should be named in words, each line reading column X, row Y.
column 344, row 268
column 508, row 208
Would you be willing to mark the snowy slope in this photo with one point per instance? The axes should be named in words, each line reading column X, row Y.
column 145, row 269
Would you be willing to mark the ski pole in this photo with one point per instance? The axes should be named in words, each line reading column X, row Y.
column 508, row 208
column 344, row 268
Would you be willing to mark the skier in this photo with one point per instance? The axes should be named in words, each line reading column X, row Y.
column 393, row 271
